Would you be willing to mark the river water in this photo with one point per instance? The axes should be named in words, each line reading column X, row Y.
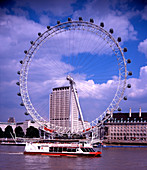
column 12, row 158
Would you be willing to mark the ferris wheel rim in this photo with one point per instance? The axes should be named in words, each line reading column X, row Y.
column 25, row 68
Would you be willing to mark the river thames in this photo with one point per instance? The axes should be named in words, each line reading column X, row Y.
column 12, row 157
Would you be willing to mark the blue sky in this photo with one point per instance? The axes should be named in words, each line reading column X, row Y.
column 20, row 21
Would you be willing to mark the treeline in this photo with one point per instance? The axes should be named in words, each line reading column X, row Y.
column 31, row 132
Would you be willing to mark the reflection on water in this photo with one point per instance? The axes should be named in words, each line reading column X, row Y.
column 12, row 157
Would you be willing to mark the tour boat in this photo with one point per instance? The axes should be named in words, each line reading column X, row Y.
column 61, row 149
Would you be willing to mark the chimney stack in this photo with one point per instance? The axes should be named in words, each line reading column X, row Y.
column 130, row 112
column 140, row 112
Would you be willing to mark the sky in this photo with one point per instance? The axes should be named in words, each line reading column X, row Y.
column 91, row 63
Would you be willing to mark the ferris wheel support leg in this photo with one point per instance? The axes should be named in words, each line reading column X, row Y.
column 71, row 114
column 71, row 81
column 79, row 108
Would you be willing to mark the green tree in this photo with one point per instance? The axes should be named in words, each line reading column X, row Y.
column 8, row 132
column 1, row 133
column 19, row 132
column 32, row 132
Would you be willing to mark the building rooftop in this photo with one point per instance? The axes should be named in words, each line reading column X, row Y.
column 126, row 116
column 61, row 88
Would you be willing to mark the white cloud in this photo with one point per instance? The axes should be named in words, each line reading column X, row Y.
column 88, row 89
column 101, row 12
column 16, row 32
column 139, row 86
column 44, row 20
column 143, row 73
column 137, row 94
column 49, row 68
column 144, row 13
column 20, row 12
column 104, row 91
column 56, row 7
column 93, row 9
column 122, row 27
column 142, row 47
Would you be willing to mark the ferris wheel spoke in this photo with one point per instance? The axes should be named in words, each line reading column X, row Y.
column 91, row 58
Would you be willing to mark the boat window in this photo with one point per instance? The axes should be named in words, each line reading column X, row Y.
column 51, row 149
column 60, row 149
column 38, row 147
column 64, row 149
column 55, row 149
column 83, row 149
column 91, row 150
column 73, row 150
column 69, row 150
column 87, row 149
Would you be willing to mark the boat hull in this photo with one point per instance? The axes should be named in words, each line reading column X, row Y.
column 91, row 154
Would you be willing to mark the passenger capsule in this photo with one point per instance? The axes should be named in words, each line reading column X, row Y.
column 21, row 104
column 25, row 51
column 31, row 42
column 129, row 86
column 119, row 109
column 18, row 94
column 69, row 19
column 58, row 22
column 18, row 83
column 21, row 62
column 125, row 97
column 102, row 24
column 48, row 27
column 91, row 20
column 18, row 72
column 119, row 39
column 111, row 31
column 39, row 33
column 128, row 61
column 80, row 19
column 125, row 49
column 107, row 114
column 26, row 113
column 130, row 73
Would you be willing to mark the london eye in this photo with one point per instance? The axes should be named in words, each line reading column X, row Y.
column 84, row 55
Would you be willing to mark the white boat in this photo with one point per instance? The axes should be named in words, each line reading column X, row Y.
column 61, row 149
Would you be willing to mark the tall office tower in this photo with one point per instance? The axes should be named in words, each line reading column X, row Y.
column 63, row 108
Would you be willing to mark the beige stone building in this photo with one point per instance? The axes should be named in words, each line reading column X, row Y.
column 126, row 127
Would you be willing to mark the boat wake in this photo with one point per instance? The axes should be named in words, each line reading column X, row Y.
column 16, row 153
column 12, row 153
